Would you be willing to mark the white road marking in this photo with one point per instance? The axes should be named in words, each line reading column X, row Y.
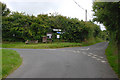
column 74, row 51
column 101, row 57
column 103, row 61
column 85, row 49
column 94, row 57
column 98, row 59
column 50, row 49
column 84, row 53
column 88, row 48
column 89, row 55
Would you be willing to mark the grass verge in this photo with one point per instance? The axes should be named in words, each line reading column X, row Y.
column 0, row 64
column 49, row 45
column 92, row 41
column 112, row 56
column 40, row 45
column 11, row 60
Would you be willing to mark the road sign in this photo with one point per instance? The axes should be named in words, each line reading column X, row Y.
column 56, row 29
column 59, row 32
column 58, row 36
column 49, row 35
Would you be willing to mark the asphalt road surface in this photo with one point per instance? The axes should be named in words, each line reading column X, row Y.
column 77, row 62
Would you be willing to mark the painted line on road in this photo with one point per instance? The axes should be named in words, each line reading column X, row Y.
column 74, row 51
column 103, row 61
column 51, row 49
column 85, row 49
column 88, row 48
column 94, row 57
column 84, row 53
column 98, row 59
column 89, row 55
column 78, row 51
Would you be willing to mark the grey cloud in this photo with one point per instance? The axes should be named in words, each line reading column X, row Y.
column 34, row 7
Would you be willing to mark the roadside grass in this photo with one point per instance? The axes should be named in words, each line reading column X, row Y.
column 92, row 41
column 11, row 60
column 49, row 45
column 40, row 45
column 112, row 56
column 0, row 45
column 0, row 64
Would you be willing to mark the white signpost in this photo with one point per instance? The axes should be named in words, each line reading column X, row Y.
column 56, row 29
column 58, row 32
column 58, row 36
column 49, row 35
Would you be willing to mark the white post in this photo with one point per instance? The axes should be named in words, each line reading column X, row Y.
column 86, row 15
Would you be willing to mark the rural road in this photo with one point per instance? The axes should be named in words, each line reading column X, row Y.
column 77, row 62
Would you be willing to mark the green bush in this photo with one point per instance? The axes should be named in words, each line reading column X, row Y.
column 21, row 27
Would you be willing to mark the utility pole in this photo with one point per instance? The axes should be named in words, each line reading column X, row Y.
column 83, row 9
column 86, row 15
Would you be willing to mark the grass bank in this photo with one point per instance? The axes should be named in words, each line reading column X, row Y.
column 11, row 60
column 49, row 45
column 40, row 45
column 112, row 56
column 92, row 41
column 0, row 64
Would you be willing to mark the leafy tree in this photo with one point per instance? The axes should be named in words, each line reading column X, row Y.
column 21, row 27
column 5, row 11
column 108, row 14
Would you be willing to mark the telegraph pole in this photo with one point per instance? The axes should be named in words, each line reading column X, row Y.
column 83, row 9
column 86, row 15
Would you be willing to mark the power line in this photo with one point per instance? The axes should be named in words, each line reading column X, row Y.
column 78, row 5
column 86, row 11
column 83, row 9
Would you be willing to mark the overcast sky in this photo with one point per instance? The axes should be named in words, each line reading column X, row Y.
column 64, row 7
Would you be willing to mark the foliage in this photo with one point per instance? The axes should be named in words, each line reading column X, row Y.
column 112, row 56
column 40, row 45
column 21, row 27
column 108, row 14
column 5, row 11
column 50, row 45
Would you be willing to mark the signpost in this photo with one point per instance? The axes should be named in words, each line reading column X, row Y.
column 56, row 29
column 59, row 32
column 49, row 35
column 58, row 36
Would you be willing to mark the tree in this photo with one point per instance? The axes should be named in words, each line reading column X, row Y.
column 108, row 14
column 21, row 27
column 5, row 11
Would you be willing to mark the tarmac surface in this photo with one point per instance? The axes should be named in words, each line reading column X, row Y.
column 76, row 62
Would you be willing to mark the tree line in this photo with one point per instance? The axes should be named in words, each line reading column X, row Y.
column 21, row 27
column 108, row 14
